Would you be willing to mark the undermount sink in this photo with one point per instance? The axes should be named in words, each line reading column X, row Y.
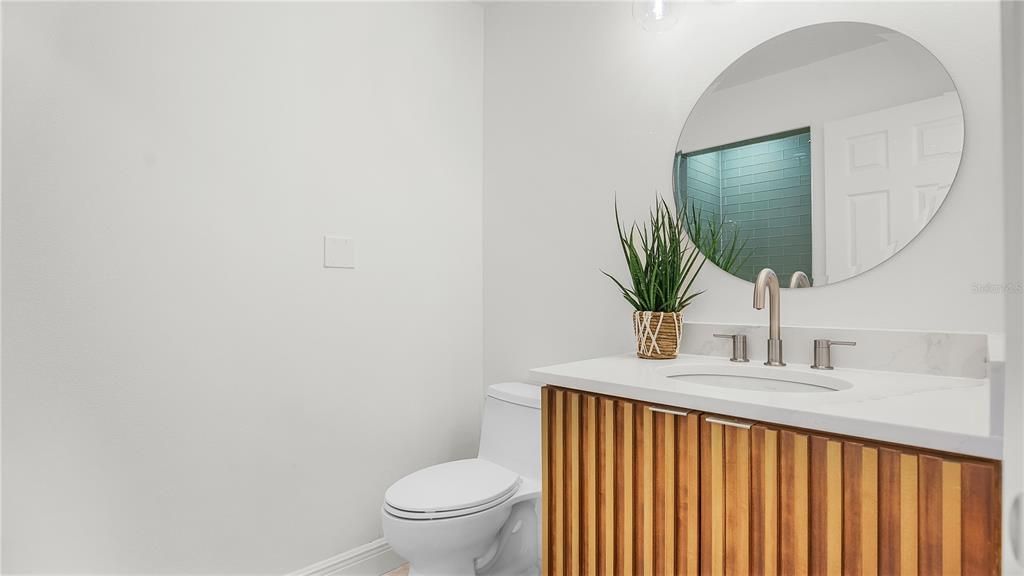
column 757, row 378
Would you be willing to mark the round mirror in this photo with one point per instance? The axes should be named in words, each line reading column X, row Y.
column 819, row 154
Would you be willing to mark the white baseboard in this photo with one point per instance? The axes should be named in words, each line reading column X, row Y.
column 371, row 559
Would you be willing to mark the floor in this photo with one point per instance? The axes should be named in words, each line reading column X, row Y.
column 402, row 570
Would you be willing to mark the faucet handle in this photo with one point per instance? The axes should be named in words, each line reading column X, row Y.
column 823, row 352
column 739, row 346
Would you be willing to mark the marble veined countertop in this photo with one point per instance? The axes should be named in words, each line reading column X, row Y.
column 948, row 414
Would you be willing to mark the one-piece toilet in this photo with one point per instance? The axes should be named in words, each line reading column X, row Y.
column 481, row 515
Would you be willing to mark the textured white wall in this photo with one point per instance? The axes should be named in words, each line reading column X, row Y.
column 185, row 388
column 581, row 103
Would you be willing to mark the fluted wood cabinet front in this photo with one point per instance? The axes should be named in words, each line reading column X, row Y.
column 725, row 500
column 634, row 489
column 621, row 487
column 862, row 509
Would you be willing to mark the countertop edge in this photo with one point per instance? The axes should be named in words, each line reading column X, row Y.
column 987, row 447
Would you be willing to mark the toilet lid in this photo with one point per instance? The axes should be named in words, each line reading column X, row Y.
column 462, row 486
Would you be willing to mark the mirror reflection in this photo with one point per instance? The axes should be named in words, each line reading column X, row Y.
column 820, row 154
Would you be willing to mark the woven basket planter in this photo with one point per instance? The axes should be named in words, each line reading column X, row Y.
column 657, row 334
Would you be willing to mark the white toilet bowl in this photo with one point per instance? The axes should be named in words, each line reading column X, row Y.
column 447, row 520
column 478, row 516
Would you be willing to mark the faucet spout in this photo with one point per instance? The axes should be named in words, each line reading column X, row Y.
column 768, row 282
column 799, row 280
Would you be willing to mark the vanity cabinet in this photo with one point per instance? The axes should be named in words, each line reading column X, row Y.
column 621, row 486
column 632, row 488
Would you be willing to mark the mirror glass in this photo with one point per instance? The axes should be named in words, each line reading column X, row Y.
column 820, row 153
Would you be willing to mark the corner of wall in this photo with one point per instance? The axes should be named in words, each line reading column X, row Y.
column 1012, row 21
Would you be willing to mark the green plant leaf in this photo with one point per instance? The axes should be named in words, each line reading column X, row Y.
column 661, row 259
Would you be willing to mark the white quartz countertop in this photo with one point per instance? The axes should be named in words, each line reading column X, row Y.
column 948, row 414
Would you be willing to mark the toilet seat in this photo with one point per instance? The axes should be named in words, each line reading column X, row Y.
column 451, row 489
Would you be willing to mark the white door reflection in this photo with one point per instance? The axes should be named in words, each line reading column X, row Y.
column 886, row 173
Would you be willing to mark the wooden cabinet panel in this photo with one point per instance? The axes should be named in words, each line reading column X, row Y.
column 826, row 506
column 794, row 503
column 860, row 509
column 671, row 492
column 810, row 496
column 897, row 512
column 606, row 485
column 552, row 467
column 645, row 495
column 712, row 500
column 622, row 522
column 958, row 509
column 673, row 483
column 620, row 487
column 854, row 508
column 980, row 515
column 764, row 501
column 572, row 516
column 937, row 515
column 589, row 484
column 687, row 495
column 633, row 489
column 725, row 461
column 879, row 510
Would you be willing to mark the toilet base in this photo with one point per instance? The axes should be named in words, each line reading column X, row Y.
column 446, row 547
column 517, row 549
column 504, row 541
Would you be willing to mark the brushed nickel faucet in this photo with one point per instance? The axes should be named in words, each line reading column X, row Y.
column 799, row 280
column 767, row 280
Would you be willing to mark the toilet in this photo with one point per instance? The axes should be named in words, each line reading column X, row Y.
column 479, row 515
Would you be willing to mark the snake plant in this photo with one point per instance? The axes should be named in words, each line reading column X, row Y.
column 662, row 262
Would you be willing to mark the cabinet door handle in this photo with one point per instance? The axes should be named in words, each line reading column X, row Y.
column 728, row 422
column 667, row 411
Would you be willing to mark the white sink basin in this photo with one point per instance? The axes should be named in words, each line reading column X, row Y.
column 757, row 378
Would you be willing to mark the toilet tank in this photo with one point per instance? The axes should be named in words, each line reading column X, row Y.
column 510, row 432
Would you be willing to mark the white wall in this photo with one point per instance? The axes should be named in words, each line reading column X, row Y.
column 1013, row 150
column 185, row 388
column 581, row 103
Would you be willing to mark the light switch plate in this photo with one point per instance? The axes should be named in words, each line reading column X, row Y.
column 339, row 252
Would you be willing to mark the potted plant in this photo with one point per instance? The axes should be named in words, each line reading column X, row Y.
column 662, row 265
